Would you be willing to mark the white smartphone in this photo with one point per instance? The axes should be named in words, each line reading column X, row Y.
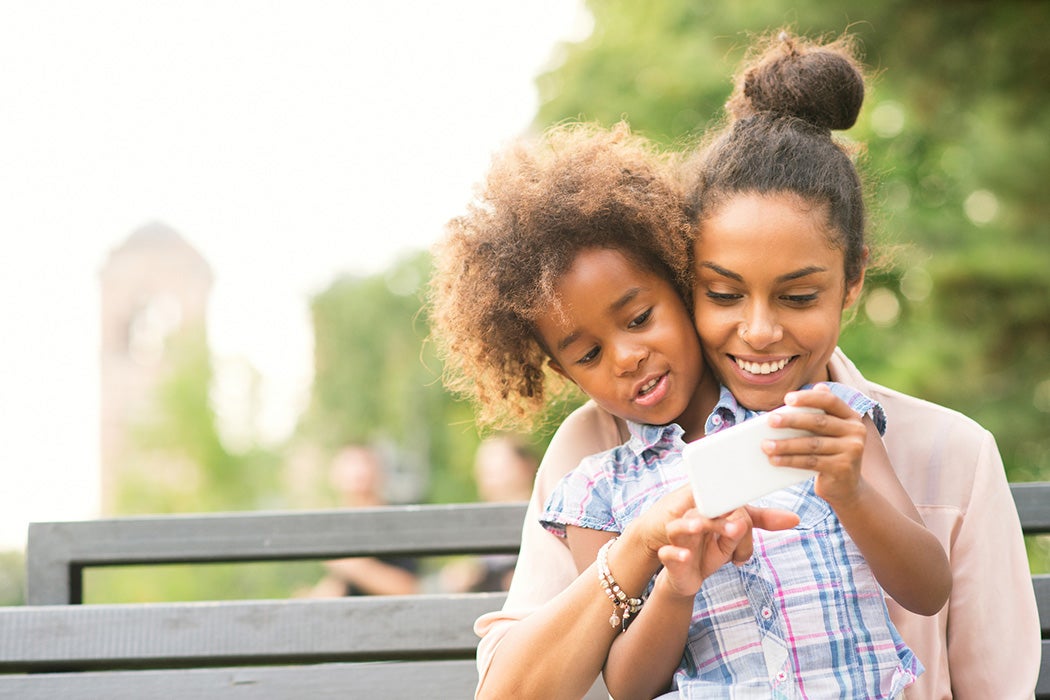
column 729, row 469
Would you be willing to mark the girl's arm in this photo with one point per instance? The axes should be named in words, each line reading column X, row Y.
column 855, row 478
column 558, row 651
column 643, row 659
column 553, row 635
column 560, row 640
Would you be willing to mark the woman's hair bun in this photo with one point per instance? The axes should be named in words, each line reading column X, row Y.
column 822, row 84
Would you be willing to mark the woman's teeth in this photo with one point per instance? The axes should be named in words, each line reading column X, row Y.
column 760, row 367
column 649, row 386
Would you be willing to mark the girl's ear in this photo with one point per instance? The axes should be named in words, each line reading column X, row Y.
column 854, row 289
column 553, row 364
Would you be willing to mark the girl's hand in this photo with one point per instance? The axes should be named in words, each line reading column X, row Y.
column 652, row 525
column 834, row 452
column 699, row 546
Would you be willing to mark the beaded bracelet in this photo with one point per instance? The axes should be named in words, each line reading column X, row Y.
column 625, row 606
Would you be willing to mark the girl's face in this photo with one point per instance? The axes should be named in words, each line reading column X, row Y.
column 624, row 336
column 770, row 291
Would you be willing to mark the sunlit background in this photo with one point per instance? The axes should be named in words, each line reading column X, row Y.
column 288, row 143
column 307, row 154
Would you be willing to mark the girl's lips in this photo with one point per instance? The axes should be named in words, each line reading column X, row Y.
column 649, row 394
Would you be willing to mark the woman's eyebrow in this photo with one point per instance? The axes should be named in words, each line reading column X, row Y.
column 805, row 271
column 719, row 270
column 794, row 275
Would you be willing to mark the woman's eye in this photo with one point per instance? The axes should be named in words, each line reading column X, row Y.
column 722, row 296
column 640, row 319
column 800, row 299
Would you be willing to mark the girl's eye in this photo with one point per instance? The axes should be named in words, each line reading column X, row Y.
column 640, row 319
column 722, row 297
column 589, row 357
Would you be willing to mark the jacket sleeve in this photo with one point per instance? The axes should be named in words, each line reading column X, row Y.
column 993, row 624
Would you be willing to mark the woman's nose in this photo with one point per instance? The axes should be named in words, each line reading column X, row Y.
column 760, row 329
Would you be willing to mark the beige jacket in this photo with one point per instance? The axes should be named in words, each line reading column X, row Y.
column 985, row 643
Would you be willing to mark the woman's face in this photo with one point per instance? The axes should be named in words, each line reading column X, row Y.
column 769, row 295
column 625, row 337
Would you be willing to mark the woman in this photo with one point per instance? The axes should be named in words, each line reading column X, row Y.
column 983, row 643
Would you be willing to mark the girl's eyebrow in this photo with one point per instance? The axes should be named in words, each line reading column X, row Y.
column 626, row 299
column 623, row 301
column 797, row 274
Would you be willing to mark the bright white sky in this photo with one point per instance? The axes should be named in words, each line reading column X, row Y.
column 287, row 141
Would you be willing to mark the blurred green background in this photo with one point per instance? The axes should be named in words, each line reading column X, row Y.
column 955, row 125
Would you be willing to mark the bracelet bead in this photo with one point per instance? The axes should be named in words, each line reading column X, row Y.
column 624, row 606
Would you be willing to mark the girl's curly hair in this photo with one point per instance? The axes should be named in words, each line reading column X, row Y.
column 578, row 187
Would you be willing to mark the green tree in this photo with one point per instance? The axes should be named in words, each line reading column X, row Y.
column 12, row 578
column 956, row 154
column 181, row 462
column 376, row 380
column 181, row 465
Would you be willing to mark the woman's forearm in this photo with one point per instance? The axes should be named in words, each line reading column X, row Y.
column 644, row 658
column 559, row 650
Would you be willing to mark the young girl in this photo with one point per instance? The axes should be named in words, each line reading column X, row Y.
column 497, row 272
column 603, row 316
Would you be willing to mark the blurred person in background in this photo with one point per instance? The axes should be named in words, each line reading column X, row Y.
column 357, row 474
column 504, row 471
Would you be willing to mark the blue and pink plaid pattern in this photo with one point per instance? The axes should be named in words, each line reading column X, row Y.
column 803, row 618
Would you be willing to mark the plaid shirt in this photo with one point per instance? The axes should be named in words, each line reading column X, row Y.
column 803, row 618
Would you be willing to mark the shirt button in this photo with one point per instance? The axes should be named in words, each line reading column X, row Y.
column 716, row 419
column 766, row 613
column 781, row 676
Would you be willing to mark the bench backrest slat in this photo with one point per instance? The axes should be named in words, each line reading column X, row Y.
column 57, row 552
column 1033, row 506
column 329, row 681
column 158, row 635
column 332, row 633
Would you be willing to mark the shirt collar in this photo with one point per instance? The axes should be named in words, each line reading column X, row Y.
column 653, row 437
column 728, row 412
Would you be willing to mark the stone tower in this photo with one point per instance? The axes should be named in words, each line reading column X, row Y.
column 152, row 286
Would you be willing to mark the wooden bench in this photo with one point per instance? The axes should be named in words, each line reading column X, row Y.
column 369, row 647
column 389, row 647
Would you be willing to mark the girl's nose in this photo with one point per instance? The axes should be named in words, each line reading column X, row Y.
column 629, row 357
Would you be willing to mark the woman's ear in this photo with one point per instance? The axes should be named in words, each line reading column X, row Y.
column 854, row 288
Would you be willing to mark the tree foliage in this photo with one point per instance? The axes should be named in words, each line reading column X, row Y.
column 178, row 463
column 958, row 312
column 377, row 381
column 955, row 127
